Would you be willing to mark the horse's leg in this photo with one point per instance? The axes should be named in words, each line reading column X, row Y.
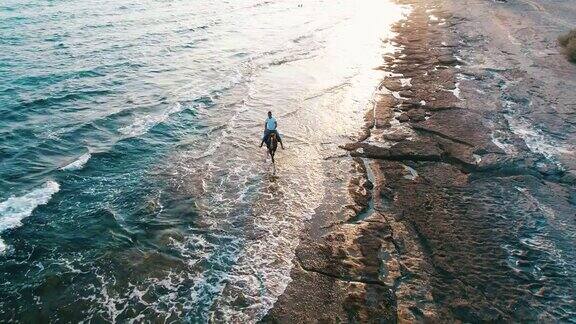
column 272, row 155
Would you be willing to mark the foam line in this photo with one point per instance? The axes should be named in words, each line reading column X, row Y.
column 15, row 209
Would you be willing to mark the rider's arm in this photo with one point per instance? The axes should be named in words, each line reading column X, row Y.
column 275, row 124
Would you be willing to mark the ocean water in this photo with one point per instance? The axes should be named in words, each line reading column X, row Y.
column 131, row 181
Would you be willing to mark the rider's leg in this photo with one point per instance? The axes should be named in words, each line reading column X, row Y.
column 279, row 139
column 266, row 134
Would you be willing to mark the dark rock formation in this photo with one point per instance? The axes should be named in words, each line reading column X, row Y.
column 461, row 222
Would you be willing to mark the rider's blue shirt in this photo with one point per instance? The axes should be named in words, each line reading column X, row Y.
column 271, row 123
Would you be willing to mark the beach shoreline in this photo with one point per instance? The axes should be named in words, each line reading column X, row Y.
column 429, row 173
column 463, row 191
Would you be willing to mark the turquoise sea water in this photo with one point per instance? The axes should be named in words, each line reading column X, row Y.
column 131, row 184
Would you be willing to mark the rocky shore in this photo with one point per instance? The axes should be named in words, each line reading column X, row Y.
column 463, row 179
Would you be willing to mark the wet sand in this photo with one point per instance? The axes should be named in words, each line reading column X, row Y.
column 463, row 179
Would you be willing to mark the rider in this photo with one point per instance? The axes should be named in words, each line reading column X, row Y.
column 270, row 127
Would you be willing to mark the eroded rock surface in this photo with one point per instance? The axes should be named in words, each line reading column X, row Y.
column 462, row 211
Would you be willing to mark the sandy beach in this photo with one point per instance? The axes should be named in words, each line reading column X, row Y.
column 463, row 181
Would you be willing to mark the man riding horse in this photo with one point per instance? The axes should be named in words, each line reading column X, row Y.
column 270, row 128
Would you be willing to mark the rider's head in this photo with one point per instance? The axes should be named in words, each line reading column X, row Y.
column 269, row 114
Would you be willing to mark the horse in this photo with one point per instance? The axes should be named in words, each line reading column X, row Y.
column 272, row 145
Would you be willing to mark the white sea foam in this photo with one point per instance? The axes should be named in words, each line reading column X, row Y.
column 15, row 209
column 143, row 124
column 78, row 163
column 262, row 257
column 537, row 140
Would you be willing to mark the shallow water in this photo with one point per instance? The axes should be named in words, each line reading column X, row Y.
column 131, row 182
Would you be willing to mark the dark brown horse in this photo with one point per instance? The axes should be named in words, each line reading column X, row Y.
column 272, row 144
